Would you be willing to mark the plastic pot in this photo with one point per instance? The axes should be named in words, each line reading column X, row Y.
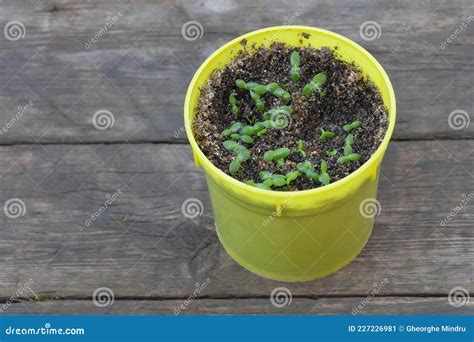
column 303, row 235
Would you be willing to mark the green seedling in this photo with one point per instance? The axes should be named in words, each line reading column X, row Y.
column 277, row 155
column 232, row 129
column 244, row 138
column 257, row 90
column 349, row 155
column 258, row 101
column 332, row 153
column 291, row 176
column 258, row 185
column 325, row 135
column 272, row 179
column 348, row 145
column 278, row 180
column 323, row 176
column 299, row 148
column 241, row 84
column 240, row 152
column 278, row 91
column 351, row 126
column 234, row 104
column 295, row 66
column 307, row 168
column 258, row 129
column 349, row 158
column 315, row 85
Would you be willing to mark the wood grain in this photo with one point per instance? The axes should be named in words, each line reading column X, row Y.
column 242, row 306
column 140, row 67
column 141, row 245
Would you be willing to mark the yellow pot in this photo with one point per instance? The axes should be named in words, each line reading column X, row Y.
column 303, row 235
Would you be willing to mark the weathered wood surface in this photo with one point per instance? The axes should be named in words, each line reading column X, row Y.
column 140, row 67
column 142, row 246
column 321, row 306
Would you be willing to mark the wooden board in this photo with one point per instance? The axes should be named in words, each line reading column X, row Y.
column 255, row 306
column 140, row 67
column 142, row 246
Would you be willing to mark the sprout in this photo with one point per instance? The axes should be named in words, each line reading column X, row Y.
column 245, row 138
column 332, row 153
column 240, row 152
column 274, row 179
column 232, row 132
column 299, row 148
column 257, row 90
column 315, row 85
column 349, row 156
column 232, row 129
column 291, row 176
column 277, row 155
column 348, row 145
column 323, row 176
column 325, row 134
column 307, row 168
column 257, row 185
column 278, row 91
column 295, row 66
column 233, row 104
column 351, row 126
column 258, row 129
column 241, row 84
column 258, row 101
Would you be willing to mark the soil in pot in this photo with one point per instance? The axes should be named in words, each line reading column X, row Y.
column 288, row 119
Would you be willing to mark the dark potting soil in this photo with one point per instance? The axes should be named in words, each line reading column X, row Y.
column 348, row 97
